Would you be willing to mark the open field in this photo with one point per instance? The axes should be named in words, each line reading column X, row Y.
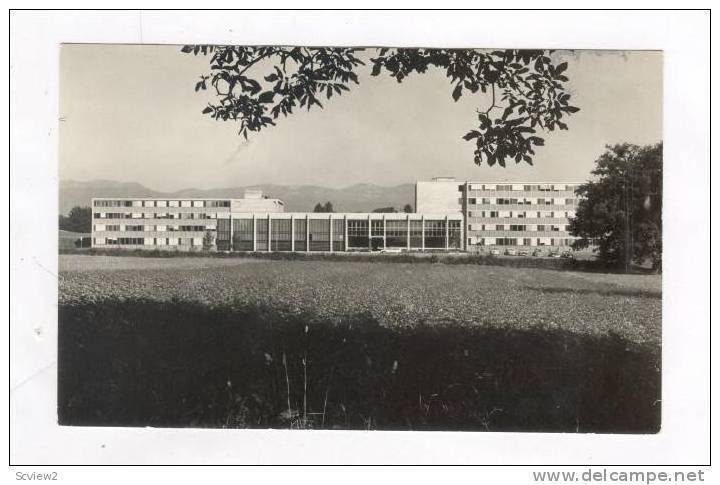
column 325, row 344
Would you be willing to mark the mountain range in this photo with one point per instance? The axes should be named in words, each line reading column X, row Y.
column 297, row 198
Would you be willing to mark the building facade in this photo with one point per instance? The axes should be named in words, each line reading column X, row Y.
column 450, row 216
column 158, row 223
column 528, row 215
column 257, row 223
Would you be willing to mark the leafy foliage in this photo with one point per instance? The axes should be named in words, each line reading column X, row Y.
column 622, row 209
column 526, row 87
column 208, row 240
column 385, row 210
column 408, row 209
column 327, row 207
column 79, row 219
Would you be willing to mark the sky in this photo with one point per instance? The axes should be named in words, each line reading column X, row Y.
column 129, row 113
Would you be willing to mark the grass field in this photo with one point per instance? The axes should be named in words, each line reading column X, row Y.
column 358, row 345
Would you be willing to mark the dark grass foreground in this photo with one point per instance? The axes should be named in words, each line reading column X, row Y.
column 179, row 364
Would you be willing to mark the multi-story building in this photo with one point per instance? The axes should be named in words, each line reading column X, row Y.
column 450, row 216
column 504, row 214
column 257, row 223
column 181, row 223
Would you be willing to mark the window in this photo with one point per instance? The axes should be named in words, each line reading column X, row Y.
column 191, row 228
column 376, row 228
column 319, row 233
column 460, row 188
column 434, row 233
column 134, row 228
column 472, row 200
column 112, row 227
column 300, row 234
column 500, row 227
column 281, row 235
column 493, row 214
column 358, row 233
column 396, row 233
column 261, row 234
column 504, row 188
column 338, row 235
column 541, row 227
column 517, row 227
column 454, row 234
column 219, row 203
column 415, row 234
column 130, row 241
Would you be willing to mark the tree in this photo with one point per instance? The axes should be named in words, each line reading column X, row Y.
column 386, row 210
column 79, row 219
column 208, row 240
column 327, row 207
column 407, row 209
column 525, row 89
column 622, row 209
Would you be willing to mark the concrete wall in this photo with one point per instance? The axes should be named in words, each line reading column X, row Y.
column 441, row 197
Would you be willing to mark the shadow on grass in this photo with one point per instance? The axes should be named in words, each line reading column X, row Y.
column 180, row 364
column 629, row 292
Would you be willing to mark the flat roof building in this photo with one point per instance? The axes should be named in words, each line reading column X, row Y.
column 257, row 223
column 450, row 216
column 523, row 214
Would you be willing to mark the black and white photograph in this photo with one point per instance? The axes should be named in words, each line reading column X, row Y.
column 318, row 244
column 364, row 238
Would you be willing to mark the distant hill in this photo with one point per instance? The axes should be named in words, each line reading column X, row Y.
column 297, row 198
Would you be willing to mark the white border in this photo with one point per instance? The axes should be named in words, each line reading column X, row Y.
column 36, row 439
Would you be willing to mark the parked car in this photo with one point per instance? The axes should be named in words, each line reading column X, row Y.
column 567, row 255
column 523, row 252
column 511, row 252
column 495, row 252
column 391, row 250
column 537, row 253
column 554, row 254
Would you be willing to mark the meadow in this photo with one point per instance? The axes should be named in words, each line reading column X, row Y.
column 242, row 342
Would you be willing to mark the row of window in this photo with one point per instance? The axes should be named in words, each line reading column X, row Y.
column 514, row 201
column 161, row 203
column 518, row 187
column 148, row 241
column 514, row 241
column 316, row 234
column 518, row 227
column 140, row 228
column 149, row 215
column 522, row 214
